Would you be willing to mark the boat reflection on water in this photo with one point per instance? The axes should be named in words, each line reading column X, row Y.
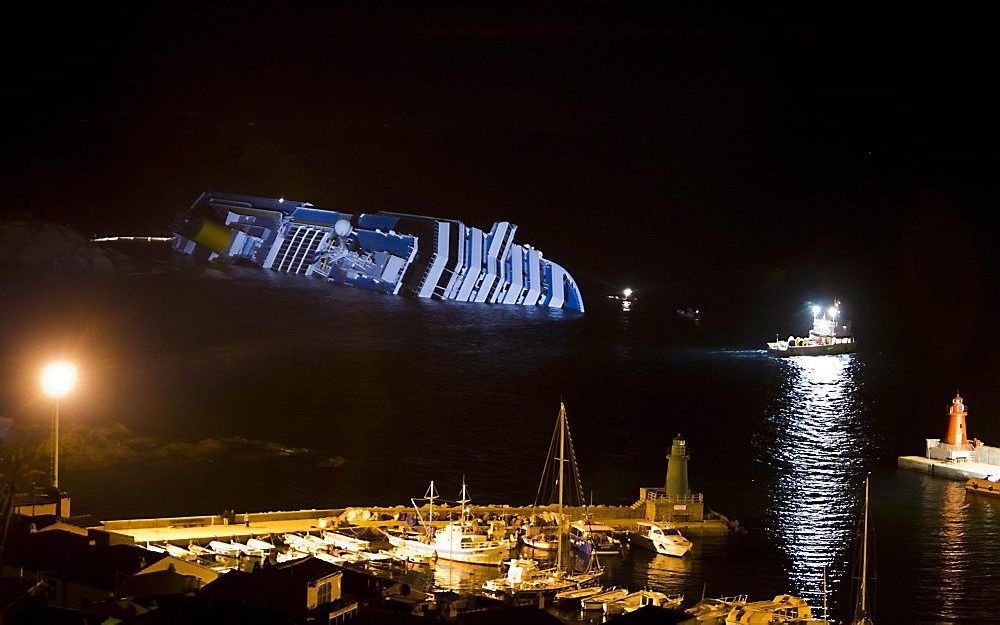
column 461, row 576
column 667, row 571
column 817, row 456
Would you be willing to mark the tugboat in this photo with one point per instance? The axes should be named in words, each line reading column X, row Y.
column 829, row 335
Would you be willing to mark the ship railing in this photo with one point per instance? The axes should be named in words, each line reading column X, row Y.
column 659, row 494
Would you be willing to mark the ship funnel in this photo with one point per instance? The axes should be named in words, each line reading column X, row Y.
column 957, row 434
column 677, row 468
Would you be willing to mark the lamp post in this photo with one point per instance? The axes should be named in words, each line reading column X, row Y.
column 58, row 379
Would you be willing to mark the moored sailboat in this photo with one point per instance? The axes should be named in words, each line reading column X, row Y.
column 524, row 576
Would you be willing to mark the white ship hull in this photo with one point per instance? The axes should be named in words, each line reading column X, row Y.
column 783, row 349
column 492, row 554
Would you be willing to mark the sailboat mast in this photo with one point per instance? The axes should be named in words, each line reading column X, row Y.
column 465, row 500
column 825, row 613
column 430, row 498
column 864, row 552
column 562, row 453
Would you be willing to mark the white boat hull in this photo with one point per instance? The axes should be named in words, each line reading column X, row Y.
column 540, row 542
column 662, row 545
column 491, row 555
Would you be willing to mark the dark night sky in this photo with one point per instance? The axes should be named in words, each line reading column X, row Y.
column 665, row 148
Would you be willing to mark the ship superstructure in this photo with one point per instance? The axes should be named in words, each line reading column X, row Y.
column 390, row 252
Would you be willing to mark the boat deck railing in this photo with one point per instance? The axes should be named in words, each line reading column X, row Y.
column 660, row 494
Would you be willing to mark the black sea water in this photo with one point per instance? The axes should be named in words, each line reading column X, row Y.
column 204, row 390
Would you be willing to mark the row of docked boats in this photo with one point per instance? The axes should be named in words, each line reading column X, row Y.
column 616, row 600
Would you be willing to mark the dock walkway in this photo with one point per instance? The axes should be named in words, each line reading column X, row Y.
column 182, row 530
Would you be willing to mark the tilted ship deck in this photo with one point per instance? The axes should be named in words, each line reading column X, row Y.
column 394, row 253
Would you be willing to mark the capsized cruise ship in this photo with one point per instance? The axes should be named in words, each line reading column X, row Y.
column 389, row 252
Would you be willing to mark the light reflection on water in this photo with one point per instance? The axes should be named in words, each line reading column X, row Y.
column 818, row 459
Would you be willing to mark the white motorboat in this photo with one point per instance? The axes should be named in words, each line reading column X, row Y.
column 642, row 598
column 665, row 541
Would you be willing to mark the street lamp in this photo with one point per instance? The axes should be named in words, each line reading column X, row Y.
column 58, row 379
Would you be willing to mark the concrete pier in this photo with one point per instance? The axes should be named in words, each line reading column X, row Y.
column 200, row 529
column 948, row 470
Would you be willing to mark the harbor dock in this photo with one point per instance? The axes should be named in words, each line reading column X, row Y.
column 949, row 470
column 181, row 530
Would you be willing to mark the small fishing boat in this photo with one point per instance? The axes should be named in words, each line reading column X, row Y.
column 587, row 538
column 544, row 541
column 665, row 541
column 987, row 486
column 348, row 543
column 596, row 602
column 715, row 610
column 260, row 545
column 642, row 598
column 458, row 541
column 575, row 595
column 525, row 578
column 198, row 550
column 781, row 609
column 828, row 336
column 227, row 549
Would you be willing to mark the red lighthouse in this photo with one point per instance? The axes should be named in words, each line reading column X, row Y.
column 957, row 434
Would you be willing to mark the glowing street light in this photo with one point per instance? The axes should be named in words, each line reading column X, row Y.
column 627, row 292
column 58, row 379
column 833, row 312
column 816, row 310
